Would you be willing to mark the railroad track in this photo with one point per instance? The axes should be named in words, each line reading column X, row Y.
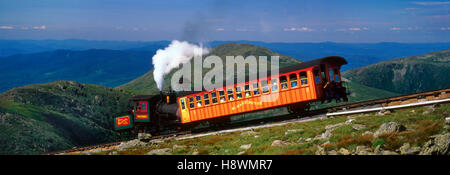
column 385, row 102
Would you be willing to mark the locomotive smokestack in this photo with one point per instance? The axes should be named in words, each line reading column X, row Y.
column 172, row 56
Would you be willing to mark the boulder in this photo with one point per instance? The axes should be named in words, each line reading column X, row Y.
column 367, row 133
column 246, row 146
column 447, row 120
column 327, row 134
column 388, row 128
column 163, row 151
column 344, row 151
column 332, row 152
column 300, row 140
column 308, row 139
column 362, row 150
column 386, row 152
column 292, row 131
column 438, row 145
column 377, row 150
column 358, row 126
column 406, row 149
column 144, row 136
column 131, row 144
column 320, row 151
column 349, row 121
column 279, row 143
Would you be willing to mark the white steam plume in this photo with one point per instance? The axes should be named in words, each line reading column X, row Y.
column 178, row 52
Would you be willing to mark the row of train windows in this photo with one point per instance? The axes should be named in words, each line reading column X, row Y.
column 239, row 93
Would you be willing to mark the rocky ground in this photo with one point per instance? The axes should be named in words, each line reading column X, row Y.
column 414, row 131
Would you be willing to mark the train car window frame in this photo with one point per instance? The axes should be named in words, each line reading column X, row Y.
column 317, row 77
column 272, row 84
column 222, row 95
column 337, row 76
column 257, row 89
column 264, row 86
column 330, row 69
column 198, row 101
column 139, row 106
column 238, row 93
column 247, row 91
column 284, row 84
column 303, row 79
column 206, row 99
column 182, row 104
column 191, row 102
column 214, row 98
column 291, row 81
column 232, row 94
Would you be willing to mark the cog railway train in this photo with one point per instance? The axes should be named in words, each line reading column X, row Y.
column 295, row 87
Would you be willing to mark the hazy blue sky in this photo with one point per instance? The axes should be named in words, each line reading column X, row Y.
column 205, row 20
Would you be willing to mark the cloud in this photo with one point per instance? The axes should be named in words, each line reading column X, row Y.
column 302, row 29
column 220, row 29
column 445, row 28
column 354, row 29
column 6, row 27
column 431, row 3
column 395, row 29
column 43, row 27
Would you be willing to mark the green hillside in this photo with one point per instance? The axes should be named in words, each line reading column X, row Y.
column 58, row 115
column 146, row 84
column 406, row 75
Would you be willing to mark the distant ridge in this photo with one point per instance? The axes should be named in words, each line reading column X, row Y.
column 406, row 75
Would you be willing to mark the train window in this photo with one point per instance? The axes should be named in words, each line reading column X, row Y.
column 230, row 94
column 283, row 82
column 191, row 102
column 316, row 76
column 247, row 91
column 137, row 106
column 264, row 87
column 144, row 105
column 222, row 96
column 303, row 78
column 274, row 84
column 206, row 98
column 336, row 75
column 238, row 92
column 183, row 105
column 214, row 97
column 330, row 73
column 293, row 79
column 255, row 88
column 198, row 99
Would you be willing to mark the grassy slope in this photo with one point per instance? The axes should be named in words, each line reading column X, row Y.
column 406, row 75
column 420, row 127
column 58, row 115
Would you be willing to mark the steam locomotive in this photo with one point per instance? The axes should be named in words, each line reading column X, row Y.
column 295, row 87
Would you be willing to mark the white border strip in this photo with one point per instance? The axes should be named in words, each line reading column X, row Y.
column 389, row 107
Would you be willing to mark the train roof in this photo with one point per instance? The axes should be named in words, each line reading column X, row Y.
column 336, row 60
